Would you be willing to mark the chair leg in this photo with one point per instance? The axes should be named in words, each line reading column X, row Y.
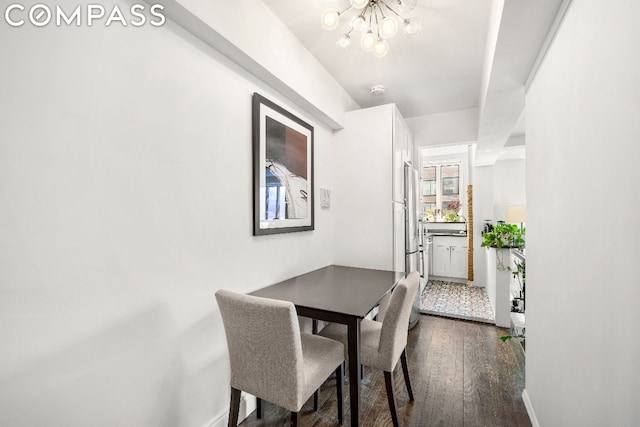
column 295, row 419
column 391, row 396
column 258, row 408
column 316, row 395
column 339, row 385
column 405, row 371
column 234, row 407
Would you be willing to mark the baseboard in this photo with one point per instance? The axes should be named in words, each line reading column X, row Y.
column 527, row 404
column 247, row 406
column 220, row 421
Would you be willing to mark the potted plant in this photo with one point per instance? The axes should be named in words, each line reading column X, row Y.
column 497, row 242
column 452, row 210
column 451, row 217
column 504, row 236
column 430, row 216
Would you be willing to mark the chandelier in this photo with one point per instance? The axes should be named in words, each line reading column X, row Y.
column 377, row 21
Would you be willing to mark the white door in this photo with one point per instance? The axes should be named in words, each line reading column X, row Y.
column 441, row 260
column 459, row 259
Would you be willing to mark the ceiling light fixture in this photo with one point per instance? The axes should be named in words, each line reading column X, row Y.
column 377, row 21
column 377, row 90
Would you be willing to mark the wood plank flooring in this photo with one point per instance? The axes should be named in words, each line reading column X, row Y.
column 462, row 375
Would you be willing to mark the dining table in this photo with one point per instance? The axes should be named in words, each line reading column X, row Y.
column 338, row 294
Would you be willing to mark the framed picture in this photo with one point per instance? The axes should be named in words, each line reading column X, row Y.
column 282, row 170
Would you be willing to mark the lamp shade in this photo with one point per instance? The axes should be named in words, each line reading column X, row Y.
column 516, row 214
column 388, row 27
column 412, row 27
column 368, row 41
column 329, row 19
column 381, row 48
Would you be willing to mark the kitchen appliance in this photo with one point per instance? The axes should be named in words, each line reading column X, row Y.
column 411, row 224
column 413, row 255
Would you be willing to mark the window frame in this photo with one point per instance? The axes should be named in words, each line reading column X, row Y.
column 440, row 184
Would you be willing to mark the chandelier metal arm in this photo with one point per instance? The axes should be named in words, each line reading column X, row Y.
column 380, row 9
column 373, row 12
column 391, row 9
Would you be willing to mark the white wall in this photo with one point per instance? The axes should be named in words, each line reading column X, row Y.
column 508, row 186
column 482, row 209
column 582, row 273
column 125, row 186
column 255, row 37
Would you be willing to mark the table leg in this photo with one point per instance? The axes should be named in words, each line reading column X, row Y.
column 353, row 336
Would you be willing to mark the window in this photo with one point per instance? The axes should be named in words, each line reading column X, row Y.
column 450, row 179
column 429, row 186
column 450, row 175
column 441, row 188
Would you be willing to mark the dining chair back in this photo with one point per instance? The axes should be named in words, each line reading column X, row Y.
column 270, row 358
column 382, row 344
column 393, row 336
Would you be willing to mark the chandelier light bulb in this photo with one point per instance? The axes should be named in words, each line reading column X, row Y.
column 359, row 4
column 360, row 24
column 412, row 26
column 388, row 27
column 344, row 42
column 406, row 5
column 368, row 41
column 329, row 19
column 381, row 48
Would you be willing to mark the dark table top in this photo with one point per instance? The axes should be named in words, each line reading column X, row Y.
column 346, row 290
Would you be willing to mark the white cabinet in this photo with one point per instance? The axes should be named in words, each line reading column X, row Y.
column 401, row 153
column 450, row 257
column 459, row 261
column 441, row 259
column 368, row 189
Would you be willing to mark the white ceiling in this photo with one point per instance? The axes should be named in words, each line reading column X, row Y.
column 440, row 70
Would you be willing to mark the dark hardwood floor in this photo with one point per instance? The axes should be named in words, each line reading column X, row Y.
column 461, row 373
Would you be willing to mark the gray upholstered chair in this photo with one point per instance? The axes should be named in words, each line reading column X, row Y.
column 382, row 344
column 269, row 356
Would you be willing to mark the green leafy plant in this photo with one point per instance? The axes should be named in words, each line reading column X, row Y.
column 451, row 217
column 519, row 273
column 520, row 270
column 504, row 236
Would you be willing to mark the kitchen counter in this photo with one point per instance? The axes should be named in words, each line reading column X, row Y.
column 446, row 233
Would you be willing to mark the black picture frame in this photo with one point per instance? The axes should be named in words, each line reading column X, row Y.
column 283, row 182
